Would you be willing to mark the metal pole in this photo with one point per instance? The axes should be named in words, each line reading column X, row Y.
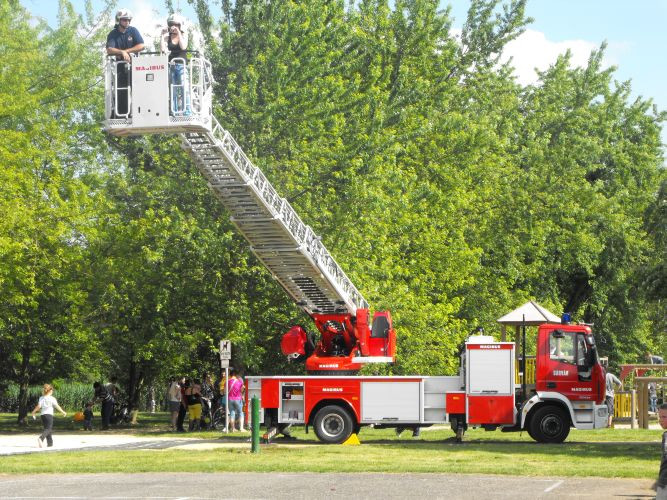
column 255, row 424
column 226, row 398
column 524, row 390
column 633, row 409
column 645, row 423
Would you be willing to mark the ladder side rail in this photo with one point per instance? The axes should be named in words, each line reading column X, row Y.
column 116, row 89
column 200, row 80
column 108, row 87
column 300, row 231
column 196, row 85
column 281, row 209
column 286, row 270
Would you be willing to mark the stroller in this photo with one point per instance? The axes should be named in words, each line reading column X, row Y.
column 121, row 414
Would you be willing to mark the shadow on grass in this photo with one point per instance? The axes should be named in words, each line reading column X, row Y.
column 645, row 450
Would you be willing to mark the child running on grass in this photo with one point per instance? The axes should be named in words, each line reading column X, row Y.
column 46, row 405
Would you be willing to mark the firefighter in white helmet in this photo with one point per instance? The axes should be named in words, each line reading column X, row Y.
column 123, row 41
column 175, row 42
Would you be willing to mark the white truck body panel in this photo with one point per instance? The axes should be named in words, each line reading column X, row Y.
column 391, row 401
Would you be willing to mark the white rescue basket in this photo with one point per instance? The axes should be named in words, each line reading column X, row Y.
column 155, row 105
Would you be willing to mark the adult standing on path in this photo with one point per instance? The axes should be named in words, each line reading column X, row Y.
column 123, row 41
column 174, row 402
column 45, row 406
column 193, row 393
column 112, row 388
column 183, row 409
column 235, row 390
column 104, row 396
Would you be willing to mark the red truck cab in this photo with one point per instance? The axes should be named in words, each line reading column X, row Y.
column 569, row 384
column 567, row 363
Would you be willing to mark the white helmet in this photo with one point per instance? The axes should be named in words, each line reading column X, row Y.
column 176, row 19
column 123, row 14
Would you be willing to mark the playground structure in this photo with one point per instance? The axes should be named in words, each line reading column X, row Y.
column 639, row 395
column 631, row 404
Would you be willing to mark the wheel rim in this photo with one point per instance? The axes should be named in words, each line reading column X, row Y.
column 551, row 425
column 332, row 425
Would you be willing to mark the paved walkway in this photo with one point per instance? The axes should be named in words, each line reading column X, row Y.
column 13, row 444
column 305, row 485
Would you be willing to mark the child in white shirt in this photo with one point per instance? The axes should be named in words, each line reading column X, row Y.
column 46, row 405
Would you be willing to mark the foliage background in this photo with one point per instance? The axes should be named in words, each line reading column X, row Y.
column 448, row 192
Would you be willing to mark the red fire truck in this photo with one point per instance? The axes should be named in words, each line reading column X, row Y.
column 569, row 389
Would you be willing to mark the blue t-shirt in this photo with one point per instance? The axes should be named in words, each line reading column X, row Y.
column 124, row 41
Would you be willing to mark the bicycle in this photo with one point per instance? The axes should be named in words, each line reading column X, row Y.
column 219, row 419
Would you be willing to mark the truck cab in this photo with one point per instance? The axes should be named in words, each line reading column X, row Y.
column 569, row 384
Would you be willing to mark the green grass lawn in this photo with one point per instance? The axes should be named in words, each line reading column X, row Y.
column 605, row 453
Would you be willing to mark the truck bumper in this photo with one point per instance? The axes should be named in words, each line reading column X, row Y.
column 601, row 416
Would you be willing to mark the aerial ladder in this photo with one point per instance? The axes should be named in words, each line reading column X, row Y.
column 278, row 237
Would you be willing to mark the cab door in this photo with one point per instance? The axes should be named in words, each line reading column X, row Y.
column 570, row 366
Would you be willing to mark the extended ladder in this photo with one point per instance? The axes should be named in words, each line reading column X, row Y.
column 278, row 237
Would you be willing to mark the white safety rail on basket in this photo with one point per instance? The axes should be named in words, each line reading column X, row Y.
column 148, row 104
column 278, row 237
column 294, row 254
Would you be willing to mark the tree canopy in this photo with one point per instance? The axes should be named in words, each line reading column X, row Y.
column 448, row 192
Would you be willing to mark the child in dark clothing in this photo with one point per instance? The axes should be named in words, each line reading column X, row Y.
column 88, row 417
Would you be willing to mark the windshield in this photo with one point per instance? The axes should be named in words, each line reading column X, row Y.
column 574, row 348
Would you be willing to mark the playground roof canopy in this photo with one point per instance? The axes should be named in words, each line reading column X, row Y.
column 531, row 313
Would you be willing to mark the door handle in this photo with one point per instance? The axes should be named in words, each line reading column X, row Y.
column 551, row 385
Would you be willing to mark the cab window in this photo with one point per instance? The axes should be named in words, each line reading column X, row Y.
column 562, row 346
column 582, row 351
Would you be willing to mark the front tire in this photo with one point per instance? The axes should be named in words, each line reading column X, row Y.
column 333, row 424
column 549, row 424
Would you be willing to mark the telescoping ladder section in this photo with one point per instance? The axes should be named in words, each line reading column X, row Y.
column 280, row 240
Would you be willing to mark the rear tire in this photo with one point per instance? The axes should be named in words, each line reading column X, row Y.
column 333, row 424
column 218, row 420
column 549, row 424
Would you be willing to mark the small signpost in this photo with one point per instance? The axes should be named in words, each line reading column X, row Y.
column 225, row 356
column 225, row 353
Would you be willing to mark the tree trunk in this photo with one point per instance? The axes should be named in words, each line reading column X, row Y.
column 24, row 382
column 134, row 385
column 581, row 292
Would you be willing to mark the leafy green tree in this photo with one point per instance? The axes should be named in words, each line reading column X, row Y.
column 46, row 137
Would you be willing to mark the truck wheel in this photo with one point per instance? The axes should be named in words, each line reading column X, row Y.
column 549, row 424
column 332, row 424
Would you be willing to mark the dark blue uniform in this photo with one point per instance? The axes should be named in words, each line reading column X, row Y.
column 126, row 40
